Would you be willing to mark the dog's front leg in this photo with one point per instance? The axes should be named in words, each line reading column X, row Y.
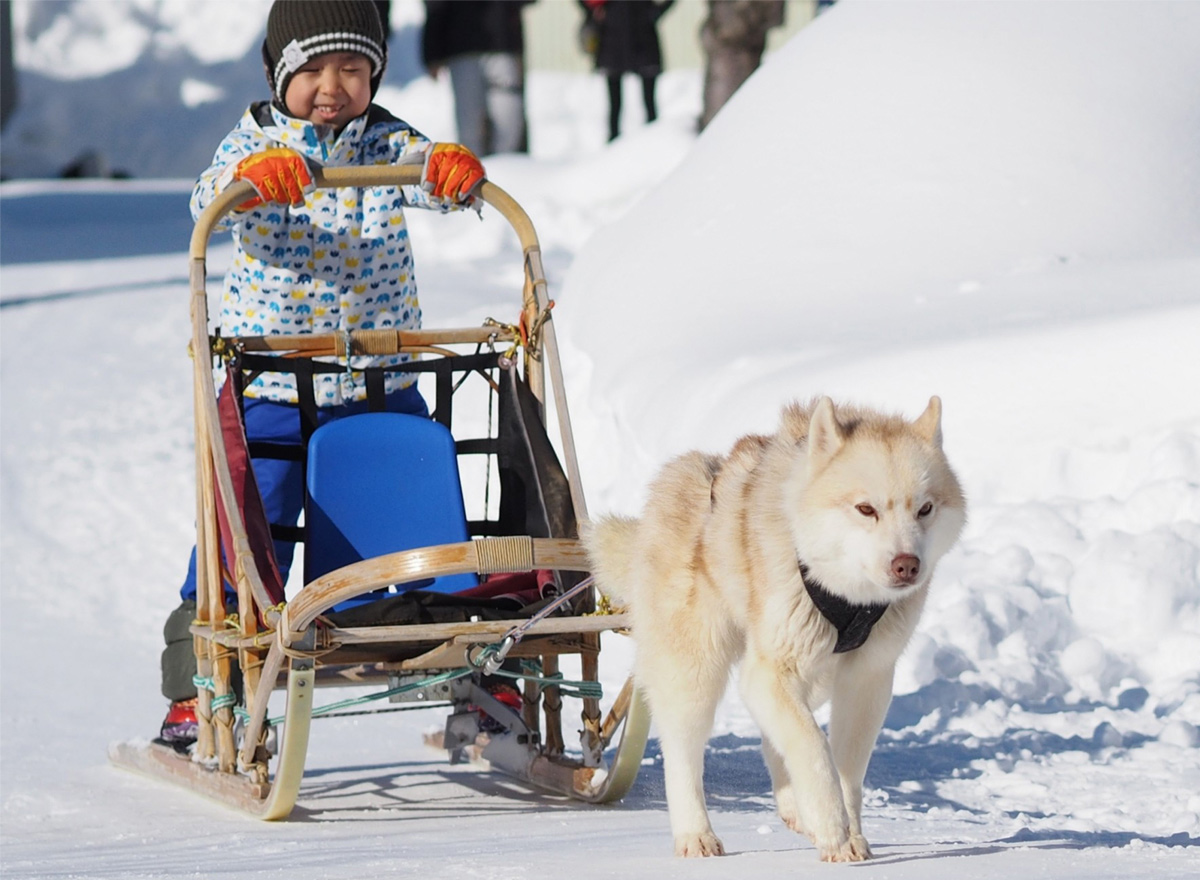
column 781, row 788
column 773, row 697
column 684, row 718
column 683, row 771
column 861, row 695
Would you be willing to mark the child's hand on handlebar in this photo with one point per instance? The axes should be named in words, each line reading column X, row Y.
column 452, row 172
column 278, row 175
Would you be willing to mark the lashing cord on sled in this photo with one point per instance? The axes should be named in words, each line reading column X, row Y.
column 524, row 333
column 490, row 657
column 218, row 701
column 580, row 689
column 331, row 708
column 488, row 660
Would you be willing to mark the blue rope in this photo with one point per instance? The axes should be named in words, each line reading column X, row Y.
column 217, row 702
column 494, row 652
column 569, row 688
column 369, row 698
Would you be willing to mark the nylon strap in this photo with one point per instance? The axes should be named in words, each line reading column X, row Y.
column 852, row 622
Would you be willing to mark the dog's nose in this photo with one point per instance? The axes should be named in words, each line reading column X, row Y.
column 906, row 567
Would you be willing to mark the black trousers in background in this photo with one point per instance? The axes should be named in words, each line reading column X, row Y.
column 614, row 101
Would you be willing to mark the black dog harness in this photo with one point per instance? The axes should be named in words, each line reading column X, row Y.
column 852, row 622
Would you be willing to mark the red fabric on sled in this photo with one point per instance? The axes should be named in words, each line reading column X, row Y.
column 526, row 587
column 249, row 500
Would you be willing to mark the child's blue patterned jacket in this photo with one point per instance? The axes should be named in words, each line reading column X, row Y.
column 341, row 261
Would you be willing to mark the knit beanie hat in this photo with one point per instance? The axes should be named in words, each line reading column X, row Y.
column 298, row 30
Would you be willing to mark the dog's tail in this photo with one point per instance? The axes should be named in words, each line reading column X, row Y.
column 611, row 546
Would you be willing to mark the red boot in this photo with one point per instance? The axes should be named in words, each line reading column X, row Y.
column 179, row 727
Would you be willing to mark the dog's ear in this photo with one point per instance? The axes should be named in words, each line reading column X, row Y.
column 929, row 423
column 825, row 434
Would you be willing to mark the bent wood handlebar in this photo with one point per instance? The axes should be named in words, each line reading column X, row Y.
column 360, row 176
column 319, row 595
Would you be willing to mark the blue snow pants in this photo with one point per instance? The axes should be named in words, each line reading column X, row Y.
column 281, row 483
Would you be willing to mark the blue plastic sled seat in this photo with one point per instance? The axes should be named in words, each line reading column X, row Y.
column 380, row 483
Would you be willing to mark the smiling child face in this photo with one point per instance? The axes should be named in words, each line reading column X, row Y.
column 330, row 89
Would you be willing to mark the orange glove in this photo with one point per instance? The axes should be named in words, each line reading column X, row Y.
column 278, row 175
column 452, row 172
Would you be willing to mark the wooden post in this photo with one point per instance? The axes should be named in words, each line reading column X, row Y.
column 593, row 743
column 205, row 520
column 552, row 706
column 250, row 659
column 535, row 376
column 530, row 696
column 219, row 655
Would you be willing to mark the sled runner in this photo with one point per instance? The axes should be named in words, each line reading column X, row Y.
column 411, row 593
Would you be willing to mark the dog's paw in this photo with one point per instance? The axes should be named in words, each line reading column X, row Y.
column 787, row 810
column 792, row 821
column 859, row 844
column 700, row 845
column 853, row 849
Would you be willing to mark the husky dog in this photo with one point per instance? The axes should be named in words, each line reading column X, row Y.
column 808, row 556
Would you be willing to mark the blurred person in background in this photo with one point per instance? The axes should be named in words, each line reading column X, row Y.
column 482, row 44
column 625, row 34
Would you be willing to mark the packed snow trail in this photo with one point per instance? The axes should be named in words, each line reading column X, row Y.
column 1047, row 711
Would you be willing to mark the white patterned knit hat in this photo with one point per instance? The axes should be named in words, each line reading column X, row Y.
column 298, row 30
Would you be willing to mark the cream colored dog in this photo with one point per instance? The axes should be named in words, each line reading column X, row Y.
column 808, row 556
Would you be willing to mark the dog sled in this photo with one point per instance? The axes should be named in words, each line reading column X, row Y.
column 501, row 587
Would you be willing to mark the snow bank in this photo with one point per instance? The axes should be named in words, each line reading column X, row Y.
column 902, row 174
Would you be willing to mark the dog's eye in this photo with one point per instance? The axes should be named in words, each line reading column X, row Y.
column 926, row 509
column 865, row 509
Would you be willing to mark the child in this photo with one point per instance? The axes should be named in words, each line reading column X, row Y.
column 313, row 262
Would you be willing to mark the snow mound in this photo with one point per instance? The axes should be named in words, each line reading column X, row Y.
column 898, row 173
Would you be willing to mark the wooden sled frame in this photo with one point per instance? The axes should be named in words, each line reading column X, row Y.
column 285, row 642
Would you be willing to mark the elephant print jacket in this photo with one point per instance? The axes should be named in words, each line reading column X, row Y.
column 341, row 261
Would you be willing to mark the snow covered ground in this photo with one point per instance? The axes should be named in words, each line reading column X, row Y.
column 991, row 202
